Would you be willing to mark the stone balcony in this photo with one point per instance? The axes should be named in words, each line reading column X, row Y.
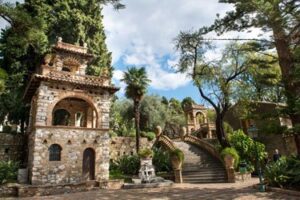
column 50, row 73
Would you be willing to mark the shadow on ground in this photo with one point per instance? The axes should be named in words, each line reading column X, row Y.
column 177, row 192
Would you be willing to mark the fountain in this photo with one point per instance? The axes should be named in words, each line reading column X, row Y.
column 147, row 177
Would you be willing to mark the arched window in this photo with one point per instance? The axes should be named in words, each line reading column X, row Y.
column 61, row 117
column 54, row 152
column 200, row 118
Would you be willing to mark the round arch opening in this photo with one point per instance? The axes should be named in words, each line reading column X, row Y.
column 200, row 118
column 74, row 112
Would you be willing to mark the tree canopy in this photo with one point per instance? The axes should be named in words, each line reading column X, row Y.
column 33, row 28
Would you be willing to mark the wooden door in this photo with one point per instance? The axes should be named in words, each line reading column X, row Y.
column 88, row 164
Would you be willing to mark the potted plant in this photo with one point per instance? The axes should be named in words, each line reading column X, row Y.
column 146, row 153
column 177, row 158
column 231, row 157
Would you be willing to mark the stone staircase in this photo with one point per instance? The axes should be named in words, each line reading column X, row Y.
column 199, row 166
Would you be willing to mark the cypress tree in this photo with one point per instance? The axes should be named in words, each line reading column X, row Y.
column 76, row 22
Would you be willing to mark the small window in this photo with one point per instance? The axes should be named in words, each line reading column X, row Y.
column 54, row 152
column 65, row 69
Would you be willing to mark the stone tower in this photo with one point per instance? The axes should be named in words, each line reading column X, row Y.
column 69, row 119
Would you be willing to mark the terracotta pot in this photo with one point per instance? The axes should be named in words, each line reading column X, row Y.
column 229, row 161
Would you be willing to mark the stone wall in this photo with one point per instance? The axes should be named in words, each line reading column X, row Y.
column 11, row 146
column 73, row 142
column 8, row 190
column 285, row 145
column 120, row 146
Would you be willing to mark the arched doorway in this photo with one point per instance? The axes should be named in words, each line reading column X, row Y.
column 88, row 164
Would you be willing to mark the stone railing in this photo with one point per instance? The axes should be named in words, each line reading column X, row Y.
column 212, row 151
column 203, row 144
column 167, row 142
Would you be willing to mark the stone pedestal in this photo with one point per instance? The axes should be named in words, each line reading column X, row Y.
column 23, row 175
column 146, row 172
column 178, row 176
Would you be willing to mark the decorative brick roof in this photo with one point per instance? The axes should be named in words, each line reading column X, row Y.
column 64, row 77
column 80, row 50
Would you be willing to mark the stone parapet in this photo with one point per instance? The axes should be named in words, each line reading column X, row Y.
column 120, row 146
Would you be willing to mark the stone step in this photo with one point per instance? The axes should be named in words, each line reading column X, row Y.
column 205, row 181
column 199, row 166
column 203, row 172
column 204, row 177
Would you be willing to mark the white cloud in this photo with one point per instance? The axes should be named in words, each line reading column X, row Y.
column 142, row 34
column 161, row 78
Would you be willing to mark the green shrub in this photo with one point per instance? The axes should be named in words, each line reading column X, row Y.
column 6, row 129
column 284, row 173
column 146, row 153
column 231, row 151
column 178, row 154
column 246, row 148
column 161, row 160
column 8, row 171
column 275, row 173
column 149, row 135
column 129, row 165
column 227, row 128
column 112, row 134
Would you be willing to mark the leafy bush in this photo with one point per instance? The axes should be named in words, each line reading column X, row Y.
column 112, row 134
column 146, row 153
column 6, row 129
column 8, row 171
column 284, row 173
column 161, row 160
column 293, row 170
column 275, row 173
column 227, row 128
column 247, row 148
column 129, row 165
column 149, row 135
column 231, row 151
column 178, row 154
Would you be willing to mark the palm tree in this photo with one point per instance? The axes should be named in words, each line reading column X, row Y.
column 137, row 82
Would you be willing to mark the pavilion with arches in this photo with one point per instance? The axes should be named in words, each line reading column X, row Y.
column 69, row 119
column 197, row 122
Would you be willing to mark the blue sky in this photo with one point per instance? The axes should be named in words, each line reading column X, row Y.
column 143, row 33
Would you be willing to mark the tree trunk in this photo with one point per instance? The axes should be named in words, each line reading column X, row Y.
column 287, row 67
column 137, row 124
column 220, row 131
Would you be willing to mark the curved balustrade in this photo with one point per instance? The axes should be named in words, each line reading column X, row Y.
column 166, row 141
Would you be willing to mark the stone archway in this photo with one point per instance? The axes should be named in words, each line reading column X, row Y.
column 86, row 98
column 88, row 164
